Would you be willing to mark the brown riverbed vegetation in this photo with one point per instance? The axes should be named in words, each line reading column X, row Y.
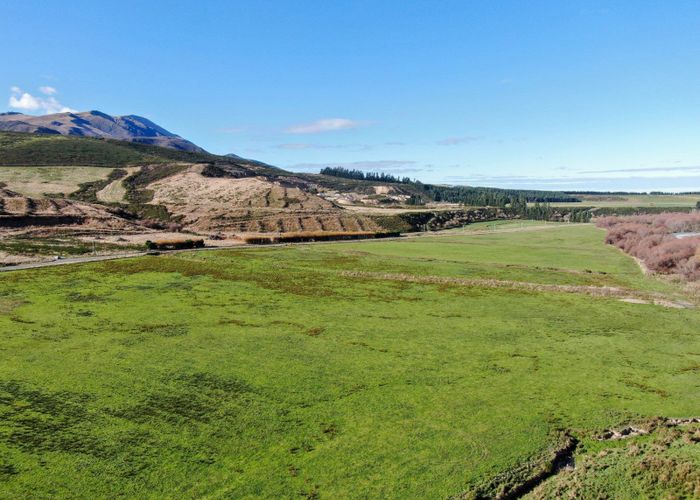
column 652, row 239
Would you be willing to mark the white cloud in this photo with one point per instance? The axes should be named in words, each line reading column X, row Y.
column 324, row 125
column 28, row 102
column 23, row 100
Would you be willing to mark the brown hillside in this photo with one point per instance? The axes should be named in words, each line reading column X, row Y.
column 249, row 204
column 20, row 213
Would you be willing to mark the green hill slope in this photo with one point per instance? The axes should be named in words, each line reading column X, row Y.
column 20, row 149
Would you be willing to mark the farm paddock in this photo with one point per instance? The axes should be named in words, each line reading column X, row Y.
column 312, row 370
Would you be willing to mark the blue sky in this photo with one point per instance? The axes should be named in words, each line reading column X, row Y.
column 533, row 94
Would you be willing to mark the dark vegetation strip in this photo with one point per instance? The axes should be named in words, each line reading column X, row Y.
column 318, row 236
column 629, row 193
column 467, row 195
column 174, row 244
column 622, row 211
column 19, row 149
column 23, row 221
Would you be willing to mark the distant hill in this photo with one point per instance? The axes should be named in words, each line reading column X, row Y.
column 211, row 194
column 197, row 191
column 97, row 124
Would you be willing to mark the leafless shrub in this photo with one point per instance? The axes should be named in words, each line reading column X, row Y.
column 651, row 239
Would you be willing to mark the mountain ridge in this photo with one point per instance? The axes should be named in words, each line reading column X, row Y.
column 132, row 128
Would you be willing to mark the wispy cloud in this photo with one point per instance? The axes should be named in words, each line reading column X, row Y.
column 387, row 166
column 296, row 146
column 455, row 140
column 646, row 169
column 324, row 125
column 627, row 183
column 25, row 101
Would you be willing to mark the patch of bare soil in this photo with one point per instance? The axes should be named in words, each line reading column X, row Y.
column 140, row 238
column 630, row 300
column 21, row 212
column 659, row 302
column 631, row 296
column 132, row 238
column 8, row 259
column 640, row 430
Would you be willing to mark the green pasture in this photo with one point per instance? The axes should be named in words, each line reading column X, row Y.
column 317, row 371
column 635, row 200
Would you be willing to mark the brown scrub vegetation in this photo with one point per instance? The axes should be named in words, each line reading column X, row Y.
column 653, row 240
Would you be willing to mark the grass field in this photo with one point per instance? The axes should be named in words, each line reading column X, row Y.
column 635, row 200
column 364, row 369
column 37, row 181
column 500, row 226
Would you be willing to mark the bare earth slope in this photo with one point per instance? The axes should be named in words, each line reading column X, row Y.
column 21, row 213
column 249, row 204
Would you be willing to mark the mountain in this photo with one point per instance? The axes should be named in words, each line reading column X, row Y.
column 97, row 124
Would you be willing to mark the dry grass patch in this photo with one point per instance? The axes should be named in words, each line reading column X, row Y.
column 37, row 181
column 624, row 294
